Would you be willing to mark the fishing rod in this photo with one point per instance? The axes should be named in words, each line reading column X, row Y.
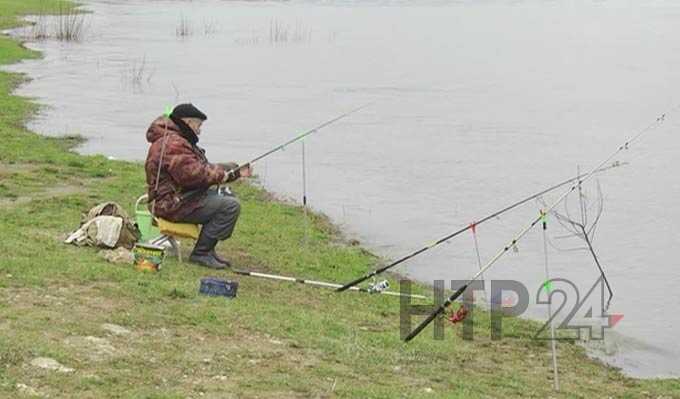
column 524, row 231
column 297, row 138
column 378, row 288
column 468, row 227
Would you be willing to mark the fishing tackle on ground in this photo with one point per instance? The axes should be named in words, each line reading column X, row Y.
column 468, row 227
column 381, row 289
column 441, row 308
column 213, row 286
column 379, row 286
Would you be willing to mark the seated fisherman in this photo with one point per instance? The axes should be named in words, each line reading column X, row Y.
column 179, row 177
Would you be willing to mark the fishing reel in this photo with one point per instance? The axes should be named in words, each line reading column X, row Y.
column 378, row 287
column 458, row 315
column 224, row 191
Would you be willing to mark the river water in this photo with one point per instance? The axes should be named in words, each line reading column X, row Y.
column 476, row 104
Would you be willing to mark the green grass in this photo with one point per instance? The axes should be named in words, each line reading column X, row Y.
column 276, row 340
column 11, row 9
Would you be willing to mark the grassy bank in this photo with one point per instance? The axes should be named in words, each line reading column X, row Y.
column 120, row 333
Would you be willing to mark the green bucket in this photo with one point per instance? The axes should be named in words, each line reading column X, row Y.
column 144, row 220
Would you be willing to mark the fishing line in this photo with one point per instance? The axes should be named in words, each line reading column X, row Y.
column 586, row 233
column 265, row 167
column 378, row 288
column 167, row 113
column 473, row 229
column 588, row 237
column 283, row 146
column 300, row 137
column 466, row 228
column 304, row 192
column 599, row 266
column 548, row 288
column 534, row 222
column 581, row 199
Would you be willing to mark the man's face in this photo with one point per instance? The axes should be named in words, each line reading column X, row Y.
column 194, row 124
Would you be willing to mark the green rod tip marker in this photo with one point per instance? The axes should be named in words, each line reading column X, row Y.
column 548, row 286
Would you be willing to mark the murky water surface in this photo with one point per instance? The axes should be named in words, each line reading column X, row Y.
column 477, row 104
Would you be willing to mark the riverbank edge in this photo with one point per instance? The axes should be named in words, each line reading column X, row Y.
column 30, row 162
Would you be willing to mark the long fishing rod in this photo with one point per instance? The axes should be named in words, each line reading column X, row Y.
column 524, row 231
column 466, row 228
column 380, row 288
column 298, row 138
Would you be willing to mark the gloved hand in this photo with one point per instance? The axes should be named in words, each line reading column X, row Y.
column 246, row 170
column 230, row 167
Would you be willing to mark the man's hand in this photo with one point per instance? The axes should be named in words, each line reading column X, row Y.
column 246, row 170
column 236, row 171
column 228, row 166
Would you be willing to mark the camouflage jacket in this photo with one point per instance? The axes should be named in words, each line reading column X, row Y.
column 185, row 173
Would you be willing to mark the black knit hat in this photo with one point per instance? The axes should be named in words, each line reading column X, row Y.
column 188, row 111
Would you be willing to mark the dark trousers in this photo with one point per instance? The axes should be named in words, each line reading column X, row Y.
column 218, row 214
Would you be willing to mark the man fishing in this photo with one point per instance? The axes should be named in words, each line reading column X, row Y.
column 179, row 179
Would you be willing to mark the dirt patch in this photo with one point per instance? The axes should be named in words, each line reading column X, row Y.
column 115, row 329
column 81, row 300
column 26, row 390
column 94, row 348
column 50, row 364
column 8, row 169
column 48, row 192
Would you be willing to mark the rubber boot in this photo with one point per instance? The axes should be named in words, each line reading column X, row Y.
column 203, row 253
column 221, row 259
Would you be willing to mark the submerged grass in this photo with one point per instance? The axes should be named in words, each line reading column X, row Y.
column 131, row 334
column 39, row 29
column 10, row 9
column 184, row 28
column 280, row 32
column 70, row 25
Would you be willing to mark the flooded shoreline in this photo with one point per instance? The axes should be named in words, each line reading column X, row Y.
column 468, row 117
